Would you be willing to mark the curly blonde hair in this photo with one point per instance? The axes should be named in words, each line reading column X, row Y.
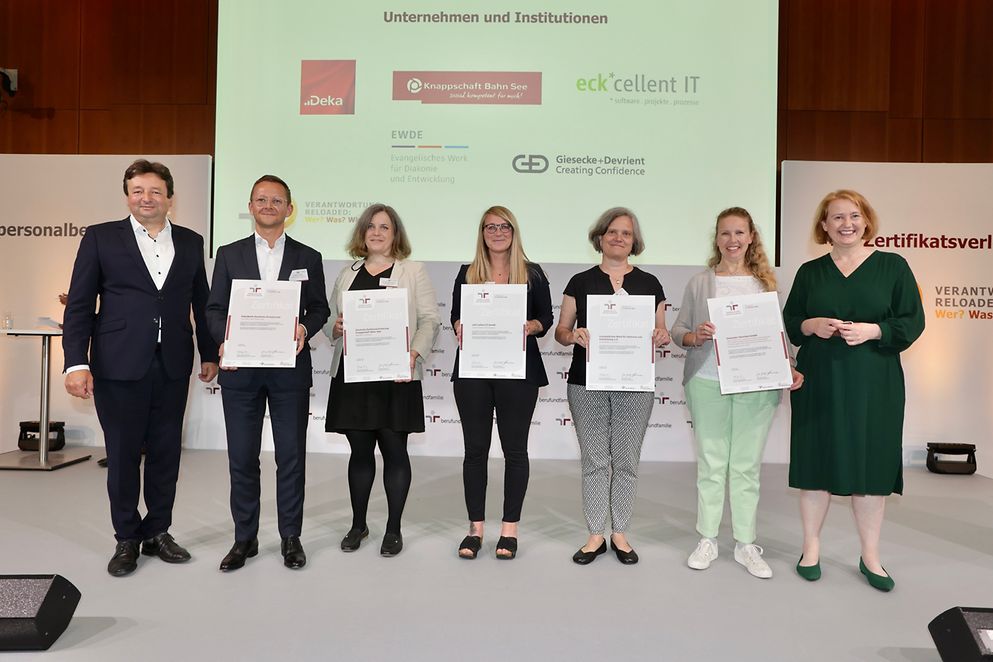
column 755, row 257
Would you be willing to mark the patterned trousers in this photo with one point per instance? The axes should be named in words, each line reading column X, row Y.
column 610, row 426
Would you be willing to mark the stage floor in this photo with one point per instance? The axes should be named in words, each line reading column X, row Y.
column 427, row 604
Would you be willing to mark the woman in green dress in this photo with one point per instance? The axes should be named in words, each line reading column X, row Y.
column 851, row 312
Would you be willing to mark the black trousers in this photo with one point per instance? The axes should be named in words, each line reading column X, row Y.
column 244, row 412
column 514, row 402
column 145, row 413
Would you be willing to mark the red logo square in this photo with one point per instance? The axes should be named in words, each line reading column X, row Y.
column 327, row 87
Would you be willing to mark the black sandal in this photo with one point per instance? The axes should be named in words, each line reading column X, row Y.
column 507, row 544
column 472, row 544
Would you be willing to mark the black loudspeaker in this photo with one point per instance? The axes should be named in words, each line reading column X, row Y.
column 963, row 634
column 34, row 610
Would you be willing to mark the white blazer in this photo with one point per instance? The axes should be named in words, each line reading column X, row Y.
column 422, row 309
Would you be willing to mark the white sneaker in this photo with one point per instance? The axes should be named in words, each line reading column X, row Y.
column 703, row 555
column 750, row 556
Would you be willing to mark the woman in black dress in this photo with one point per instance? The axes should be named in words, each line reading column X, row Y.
column 500, row 259
column 380, row 413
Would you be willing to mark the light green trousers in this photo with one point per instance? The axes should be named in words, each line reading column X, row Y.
column 730, row 433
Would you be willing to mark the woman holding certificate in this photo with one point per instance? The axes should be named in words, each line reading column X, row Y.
column 610, row 424
column 500, row 261
column 383, row 412
column 851, row 312
column 730, row 430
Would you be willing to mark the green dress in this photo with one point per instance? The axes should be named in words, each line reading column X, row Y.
column 847, row 423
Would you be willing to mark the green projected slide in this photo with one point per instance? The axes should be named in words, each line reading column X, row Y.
column 557, row 111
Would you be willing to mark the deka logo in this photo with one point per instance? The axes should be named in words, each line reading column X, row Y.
column 327, row 87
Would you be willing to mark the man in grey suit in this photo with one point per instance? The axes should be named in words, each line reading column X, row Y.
column 268, row 255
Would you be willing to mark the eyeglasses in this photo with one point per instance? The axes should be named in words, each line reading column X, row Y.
column 493, row 228
column 263, row 201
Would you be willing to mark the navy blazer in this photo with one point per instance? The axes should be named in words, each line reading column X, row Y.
column 118, row 342
column 539, row 308
column 238, row 260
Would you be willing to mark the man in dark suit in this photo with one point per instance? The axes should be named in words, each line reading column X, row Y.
column 135, row 355
column 268, row 255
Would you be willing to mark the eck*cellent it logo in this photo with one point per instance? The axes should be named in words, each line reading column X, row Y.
column 327, row 87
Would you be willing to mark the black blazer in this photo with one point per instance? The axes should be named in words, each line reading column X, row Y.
column 119, row 341
column 238, row 260
column 539, row 308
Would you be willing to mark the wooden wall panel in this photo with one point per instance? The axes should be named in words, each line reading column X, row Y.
column 158, row 55
column 959, row 59
column 838, row 54
column 38, row 131
column 147, row 129
column 40, row 38
column 907, row 58
column 958, row 141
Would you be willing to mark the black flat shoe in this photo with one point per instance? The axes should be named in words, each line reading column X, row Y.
column 240, row 551
column 166, row 548
column 353, row 539
column 585, row 558
column 125, row 558
column 392, row 544
column 627, row 558
column 293, row 554
column 471, row 544
column 509, row 544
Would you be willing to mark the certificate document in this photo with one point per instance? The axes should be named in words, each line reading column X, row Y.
column 750, row 343
column 376, row 341
column 620, row 356
column 262, row 323
column 494, row 334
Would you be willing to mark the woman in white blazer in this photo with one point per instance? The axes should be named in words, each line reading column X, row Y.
column 380, row 413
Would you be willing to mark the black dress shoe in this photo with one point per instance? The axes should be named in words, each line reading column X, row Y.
column 166, row 548
column 293, row 555
column 585, row 558
column 239, row 552
column 627, row 558
column 392, row 544
column 353, row 539
column 125, row 558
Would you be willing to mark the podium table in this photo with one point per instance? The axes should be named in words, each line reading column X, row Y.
column 43, row 460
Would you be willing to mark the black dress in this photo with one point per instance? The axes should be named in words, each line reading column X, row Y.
column 397, row 406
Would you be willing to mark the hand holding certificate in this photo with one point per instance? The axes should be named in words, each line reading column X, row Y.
column 621, row 354
column 376, row 338
column 262, row 324
column 494, row 336
column 750, row 343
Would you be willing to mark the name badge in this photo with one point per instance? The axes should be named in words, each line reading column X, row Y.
column 299, row 274
column 621, row 293
column 388, row 282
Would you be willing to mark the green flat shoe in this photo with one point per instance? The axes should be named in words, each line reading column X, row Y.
column 809, row 572
column 880, row 582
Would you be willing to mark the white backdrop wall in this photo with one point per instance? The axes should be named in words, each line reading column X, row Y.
column 938, row 216
column 948, row 369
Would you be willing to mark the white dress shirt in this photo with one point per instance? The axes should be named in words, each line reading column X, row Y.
column 158, row 252
column 270, row 259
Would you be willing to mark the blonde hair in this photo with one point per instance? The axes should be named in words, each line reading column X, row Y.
column 756, row 260
column 480, row 270
column 856, row 198
column 356, row 247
